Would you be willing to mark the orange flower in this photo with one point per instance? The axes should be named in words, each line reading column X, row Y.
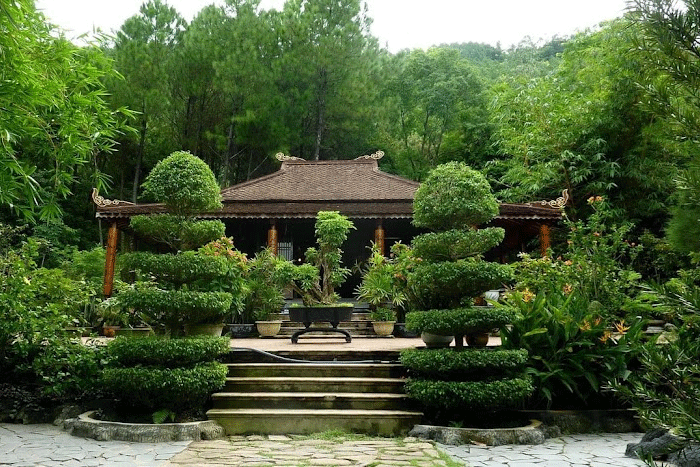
column 620, row 327
column 605, row 337
column 567, row 289
column 527, row 295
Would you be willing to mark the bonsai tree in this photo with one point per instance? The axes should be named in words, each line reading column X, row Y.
column 315, row 281
column 449, row 273
column 178, row 290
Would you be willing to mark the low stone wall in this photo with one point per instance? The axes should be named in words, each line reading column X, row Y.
column 530, row 434
column 87, row 427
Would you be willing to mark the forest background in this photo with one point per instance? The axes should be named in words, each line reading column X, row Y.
column 609, row 112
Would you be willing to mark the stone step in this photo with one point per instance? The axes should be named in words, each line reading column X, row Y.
column 310, row 400
column 319, row 369
column 290, row 421
column 314, row 384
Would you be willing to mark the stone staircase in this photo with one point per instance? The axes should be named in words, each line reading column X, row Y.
column 311, row 397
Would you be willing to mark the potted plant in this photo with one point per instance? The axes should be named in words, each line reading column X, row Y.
column 119, row 320
column 383, row 320
column 315, row 280
column 264, row 296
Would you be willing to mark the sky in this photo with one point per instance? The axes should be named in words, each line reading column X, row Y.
column 398, row 24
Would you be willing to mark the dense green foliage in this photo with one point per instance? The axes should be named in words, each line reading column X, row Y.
column 179, row 269
column 573, row 350
column 176, row 232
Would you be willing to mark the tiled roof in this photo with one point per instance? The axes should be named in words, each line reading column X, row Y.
column 356, row 188
column 347, row 180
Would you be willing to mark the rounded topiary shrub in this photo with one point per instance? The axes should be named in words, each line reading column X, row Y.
column 184, row 183
column 458, row 320
column 453, row 195
column 454, row 244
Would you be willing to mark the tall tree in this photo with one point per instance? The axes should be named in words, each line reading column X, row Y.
column 581, row 128
column 327, row 57
column 143, row 50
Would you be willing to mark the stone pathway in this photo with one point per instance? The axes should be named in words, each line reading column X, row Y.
column 599, row 450
column 293, row 451
column 49, row 446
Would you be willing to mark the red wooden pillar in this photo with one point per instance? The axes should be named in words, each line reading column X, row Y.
column 379, row 237
column 272, row 243
column 545, row 239
column 111, row 255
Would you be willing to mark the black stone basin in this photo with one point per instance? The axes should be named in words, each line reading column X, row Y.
column 317, row 314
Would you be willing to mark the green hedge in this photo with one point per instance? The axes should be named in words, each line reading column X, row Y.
column 181, row 390
column 157, row 351
column 456, row 244
column 458, row 321
column 449, row 364
column 181, row 268
column 445, row 284
column 178, row 306
column 459, row 396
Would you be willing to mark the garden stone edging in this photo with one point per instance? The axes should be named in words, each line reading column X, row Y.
column 530, row 434
column 87, row 427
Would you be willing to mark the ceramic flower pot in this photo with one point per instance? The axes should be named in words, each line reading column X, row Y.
column 436, row 341
column 204, row 329
column 383, row 328
column 268, row 328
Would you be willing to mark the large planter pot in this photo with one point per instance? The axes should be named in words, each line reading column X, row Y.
column 478, row 340
column 268, row 328
column 436, row 341
column 109, row 330
column 383, row 328
column 316, row 314
column 204, row 329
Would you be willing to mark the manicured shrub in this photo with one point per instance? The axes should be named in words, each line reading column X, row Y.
column 177, row 307
column 177, row 269
column 180, row 390
column 177, row 232
column 459, row 397
column 455, row 244
column 168, row 353
column 184, row 183
column 453, row 195
column 460, row 366
column 458, row 320
column 448, row 284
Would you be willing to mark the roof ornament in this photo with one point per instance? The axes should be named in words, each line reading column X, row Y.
column 376, row 156
column 559, row 202
column 102, row 202
column 282, row 157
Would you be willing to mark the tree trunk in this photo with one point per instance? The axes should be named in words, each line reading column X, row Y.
column 321, row 122
column 139, row 158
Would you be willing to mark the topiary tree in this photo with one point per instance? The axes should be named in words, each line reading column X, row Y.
column 449, row 273
column 177, row 288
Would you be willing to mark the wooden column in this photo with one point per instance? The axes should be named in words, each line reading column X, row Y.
column 545, row 239
column 111, row 255
column 272, row 243
column 379, row 237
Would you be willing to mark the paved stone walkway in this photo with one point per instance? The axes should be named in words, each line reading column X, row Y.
column 286, row 451
column 49, row 446
column 606, row 450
